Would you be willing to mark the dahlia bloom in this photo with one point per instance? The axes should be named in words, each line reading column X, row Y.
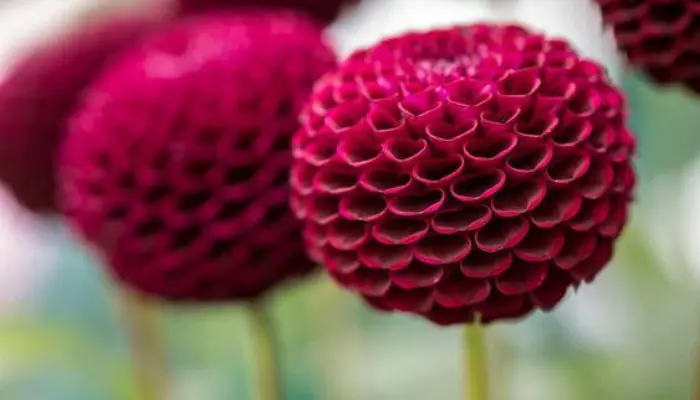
column 325, row 11
column 40, row 92
column 176, row 166
column 480, row 169
column 660, row 38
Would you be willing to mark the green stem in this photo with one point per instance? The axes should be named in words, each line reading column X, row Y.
column 264, row 352
column 148, row 356
column 477, row 385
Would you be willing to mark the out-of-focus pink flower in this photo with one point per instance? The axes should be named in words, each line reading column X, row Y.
column 177, row 164
column 40, row 91
column 659, row 37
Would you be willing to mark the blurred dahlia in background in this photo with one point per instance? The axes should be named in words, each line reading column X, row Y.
column 40, row 90
column 661, row 38
column 176, row 165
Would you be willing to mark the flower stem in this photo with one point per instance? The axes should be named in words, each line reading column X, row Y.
column 146, row 347
column 477, row 385
column 262, row 334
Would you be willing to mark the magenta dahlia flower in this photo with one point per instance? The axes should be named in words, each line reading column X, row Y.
column 322, row 10
column 176, row 166
column 481, row 169
column 658, row 37
column 40, row 92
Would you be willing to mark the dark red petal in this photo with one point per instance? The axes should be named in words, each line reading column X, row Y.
column 528, row 161
column 579, row 246
column 521, row 278
column 324, row 209
column 438, row 172
column 538, row 128
column 382, row 256
column 371, row 282
column 362, row 207
column 552, row 291
column 591, row 266
column 320, row 152
column 443, row 249
column 486, row 265
column 450, row 137
column 464, row 219
column 460, row 291
column 417, row 205
column 502, row 233
column 397, row 230
column 347, row 235
column 568, row 168
column 518, row 198
column 571, row 135
column 358, row 153
column 417, row 275
column 335, row 181
column 341, row 262
column 408, row 300
column 540, row 245
column 593, row 212
column 451, row 316
column 489, row 151
column 405, row 151
column 612, row 227
column 477, row 187
column 302, row 177
column 315, row 234
column 469, row 92
column 385, row 181
column 499, row 306
column 597, row 181
column 557, row 207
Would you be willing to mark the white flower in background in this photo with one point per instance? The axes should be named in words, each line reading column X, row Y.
column 28, row 252
column 27, row 22
column 677, row 227
column 374, row 20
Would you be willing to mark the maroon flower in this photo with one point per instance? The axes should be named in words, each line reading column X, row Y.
column 176, row 167
column 40, row 92
column 661, row 38
column 479, row 169
column 323, row 10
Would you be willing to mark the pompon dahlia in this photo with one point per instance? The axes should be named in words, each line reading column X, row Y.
column 39, row 93
column 176, row 166
column 481, row 169
column 322, row 10
column 661, row 38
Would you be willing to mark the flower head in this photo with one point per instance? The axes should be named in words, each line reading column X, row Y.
column 481, row 169
column 322, row 10
column 176, row 166
column 39, row 93
column 659, row 37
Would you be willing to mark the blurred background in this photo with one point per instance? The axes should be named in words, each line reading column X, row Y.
column 632, row 335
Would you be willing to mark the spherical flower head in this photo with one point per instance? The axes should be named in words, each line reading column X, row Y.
column 660, row 38
column 325, row 11
column 39, row 93
column 176, row 167
column 478, row 170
